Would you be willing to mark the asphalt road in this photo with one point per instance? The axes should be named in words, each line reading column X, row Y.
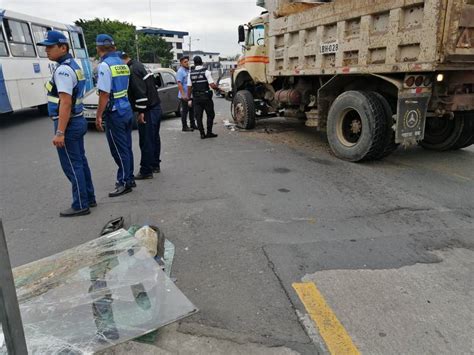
column 251, row 213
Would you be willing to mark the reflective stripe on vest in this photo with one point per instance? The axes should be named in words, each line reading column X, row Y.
column 119, row 70
column 120, row 76
column 77, row 94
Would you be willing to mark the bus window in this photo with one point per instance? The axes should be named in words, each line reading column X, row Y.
column 66, row 33
column 3, row 45
column 39, row 34
column 19, row 37
column 79, row 45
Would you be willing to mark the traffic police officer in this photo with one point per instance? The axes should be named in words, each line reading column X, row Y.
column 65, row 93
column 143, row 96
column 199, row 82
column 114, row 108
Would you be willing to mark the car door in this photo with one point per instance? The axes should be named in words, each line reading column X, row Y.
column 162, row 92
column 171, row 88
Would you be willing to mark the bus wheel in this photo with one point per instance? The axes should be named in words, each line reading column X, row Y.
column 467, row 135
column 357, row 126
column 243, row 108
column 43, row 109
column 441, row 133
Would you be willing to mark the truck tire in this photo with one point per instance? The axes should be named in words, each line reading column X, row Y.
column 390, row 145
column 467, row 136
column 243, row 108
column 357, row 126
column 441, row 134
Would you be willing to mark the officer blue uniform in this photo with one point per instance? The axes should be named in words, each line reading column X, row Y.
column 113, row 78
column 68, row 78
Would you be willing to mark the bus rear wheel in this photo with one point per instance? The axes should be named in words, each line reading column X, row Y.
column 43, row 109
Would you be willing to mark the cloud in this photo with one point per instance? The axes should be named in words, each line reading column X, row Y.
column 213, row 22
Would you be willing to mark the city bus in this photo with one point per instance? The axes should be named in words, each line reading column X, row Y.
column 24, row 66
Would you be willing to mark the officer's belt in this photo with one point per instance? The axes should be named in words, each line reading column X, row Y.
column 55, row 118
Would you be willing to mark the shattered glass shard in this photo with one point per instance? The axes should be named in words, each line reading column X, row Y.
column 94, row 296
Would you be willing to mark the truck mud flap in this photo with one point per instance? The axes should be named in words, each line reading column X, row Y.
column 410, row 126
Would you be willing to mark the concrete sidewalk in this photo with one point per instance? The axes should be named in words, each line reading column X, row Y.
column 418, row 309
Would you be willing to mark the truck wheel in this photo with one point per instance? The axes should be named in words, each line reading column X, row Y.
column 357, row 126
column 467, row 136
column 390, row 145
column 441, row 134
column 244, row 109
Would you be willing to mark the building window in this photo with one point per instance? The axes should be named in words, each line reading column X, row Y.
column 19, row 37
column 179, row 45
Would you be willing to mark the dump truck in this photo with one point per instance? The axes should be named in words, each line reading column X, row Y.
column 372, row 74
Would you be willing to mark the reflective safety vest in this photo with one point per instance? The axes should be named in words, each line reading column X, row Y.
column 77, row 92
column 199, row 81
column 120, row 77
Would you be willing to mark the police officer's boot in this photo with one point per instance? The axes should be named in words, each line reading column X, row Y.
column 203, row 135
column 211, row 135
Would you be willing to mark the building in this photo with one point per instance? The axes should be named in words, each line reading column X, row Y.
column 175, row 38
column 209, row 58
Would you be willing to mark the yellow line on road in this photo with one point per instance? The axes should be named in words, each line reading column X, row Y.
column 332, row 331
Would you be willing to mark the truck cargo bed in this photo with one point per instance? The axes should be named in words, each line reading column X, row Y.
column 373, row 36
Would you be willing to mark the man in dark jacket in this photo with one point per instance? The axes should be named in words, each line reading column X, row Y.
column 143, row 96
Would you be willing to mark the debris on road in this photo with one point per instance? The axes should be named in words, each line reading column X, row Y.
column 98, row 294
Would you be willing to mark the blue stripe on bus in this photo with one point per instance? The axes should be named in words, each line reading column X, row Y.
column 5, row 105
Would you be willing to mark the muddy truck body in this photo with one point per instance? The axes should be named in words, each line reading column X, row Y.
column 372, row 74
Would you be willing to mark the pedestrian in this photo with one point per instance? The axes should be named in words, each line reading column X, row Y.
column 182, row 78
column 199, row 83
column 114, row 109
column 143, row 96
column 65, row 92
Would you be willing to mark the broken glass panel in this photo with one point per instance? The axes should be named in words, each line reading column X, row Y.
column 94, row 296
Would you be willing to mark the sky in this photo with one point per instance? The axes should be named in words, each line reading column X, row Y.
column 212, row 24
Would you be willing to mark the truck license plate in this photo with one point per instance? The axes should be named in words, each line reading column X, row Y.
column 328, row 48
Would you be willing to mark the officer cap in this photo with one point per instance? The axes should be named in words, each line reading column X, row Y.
column 104, row 40
column 52, row 38
column 197, row 60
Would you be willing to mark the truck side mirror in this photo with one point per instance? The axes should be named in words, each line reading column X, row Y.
column 241, row 34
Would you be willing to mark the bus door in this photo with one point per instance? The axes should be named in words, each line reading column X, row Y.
column 82, row 57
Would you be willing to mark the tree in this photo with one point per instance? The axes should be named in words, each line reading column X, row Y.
column 123, row 34
column 152, row 49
